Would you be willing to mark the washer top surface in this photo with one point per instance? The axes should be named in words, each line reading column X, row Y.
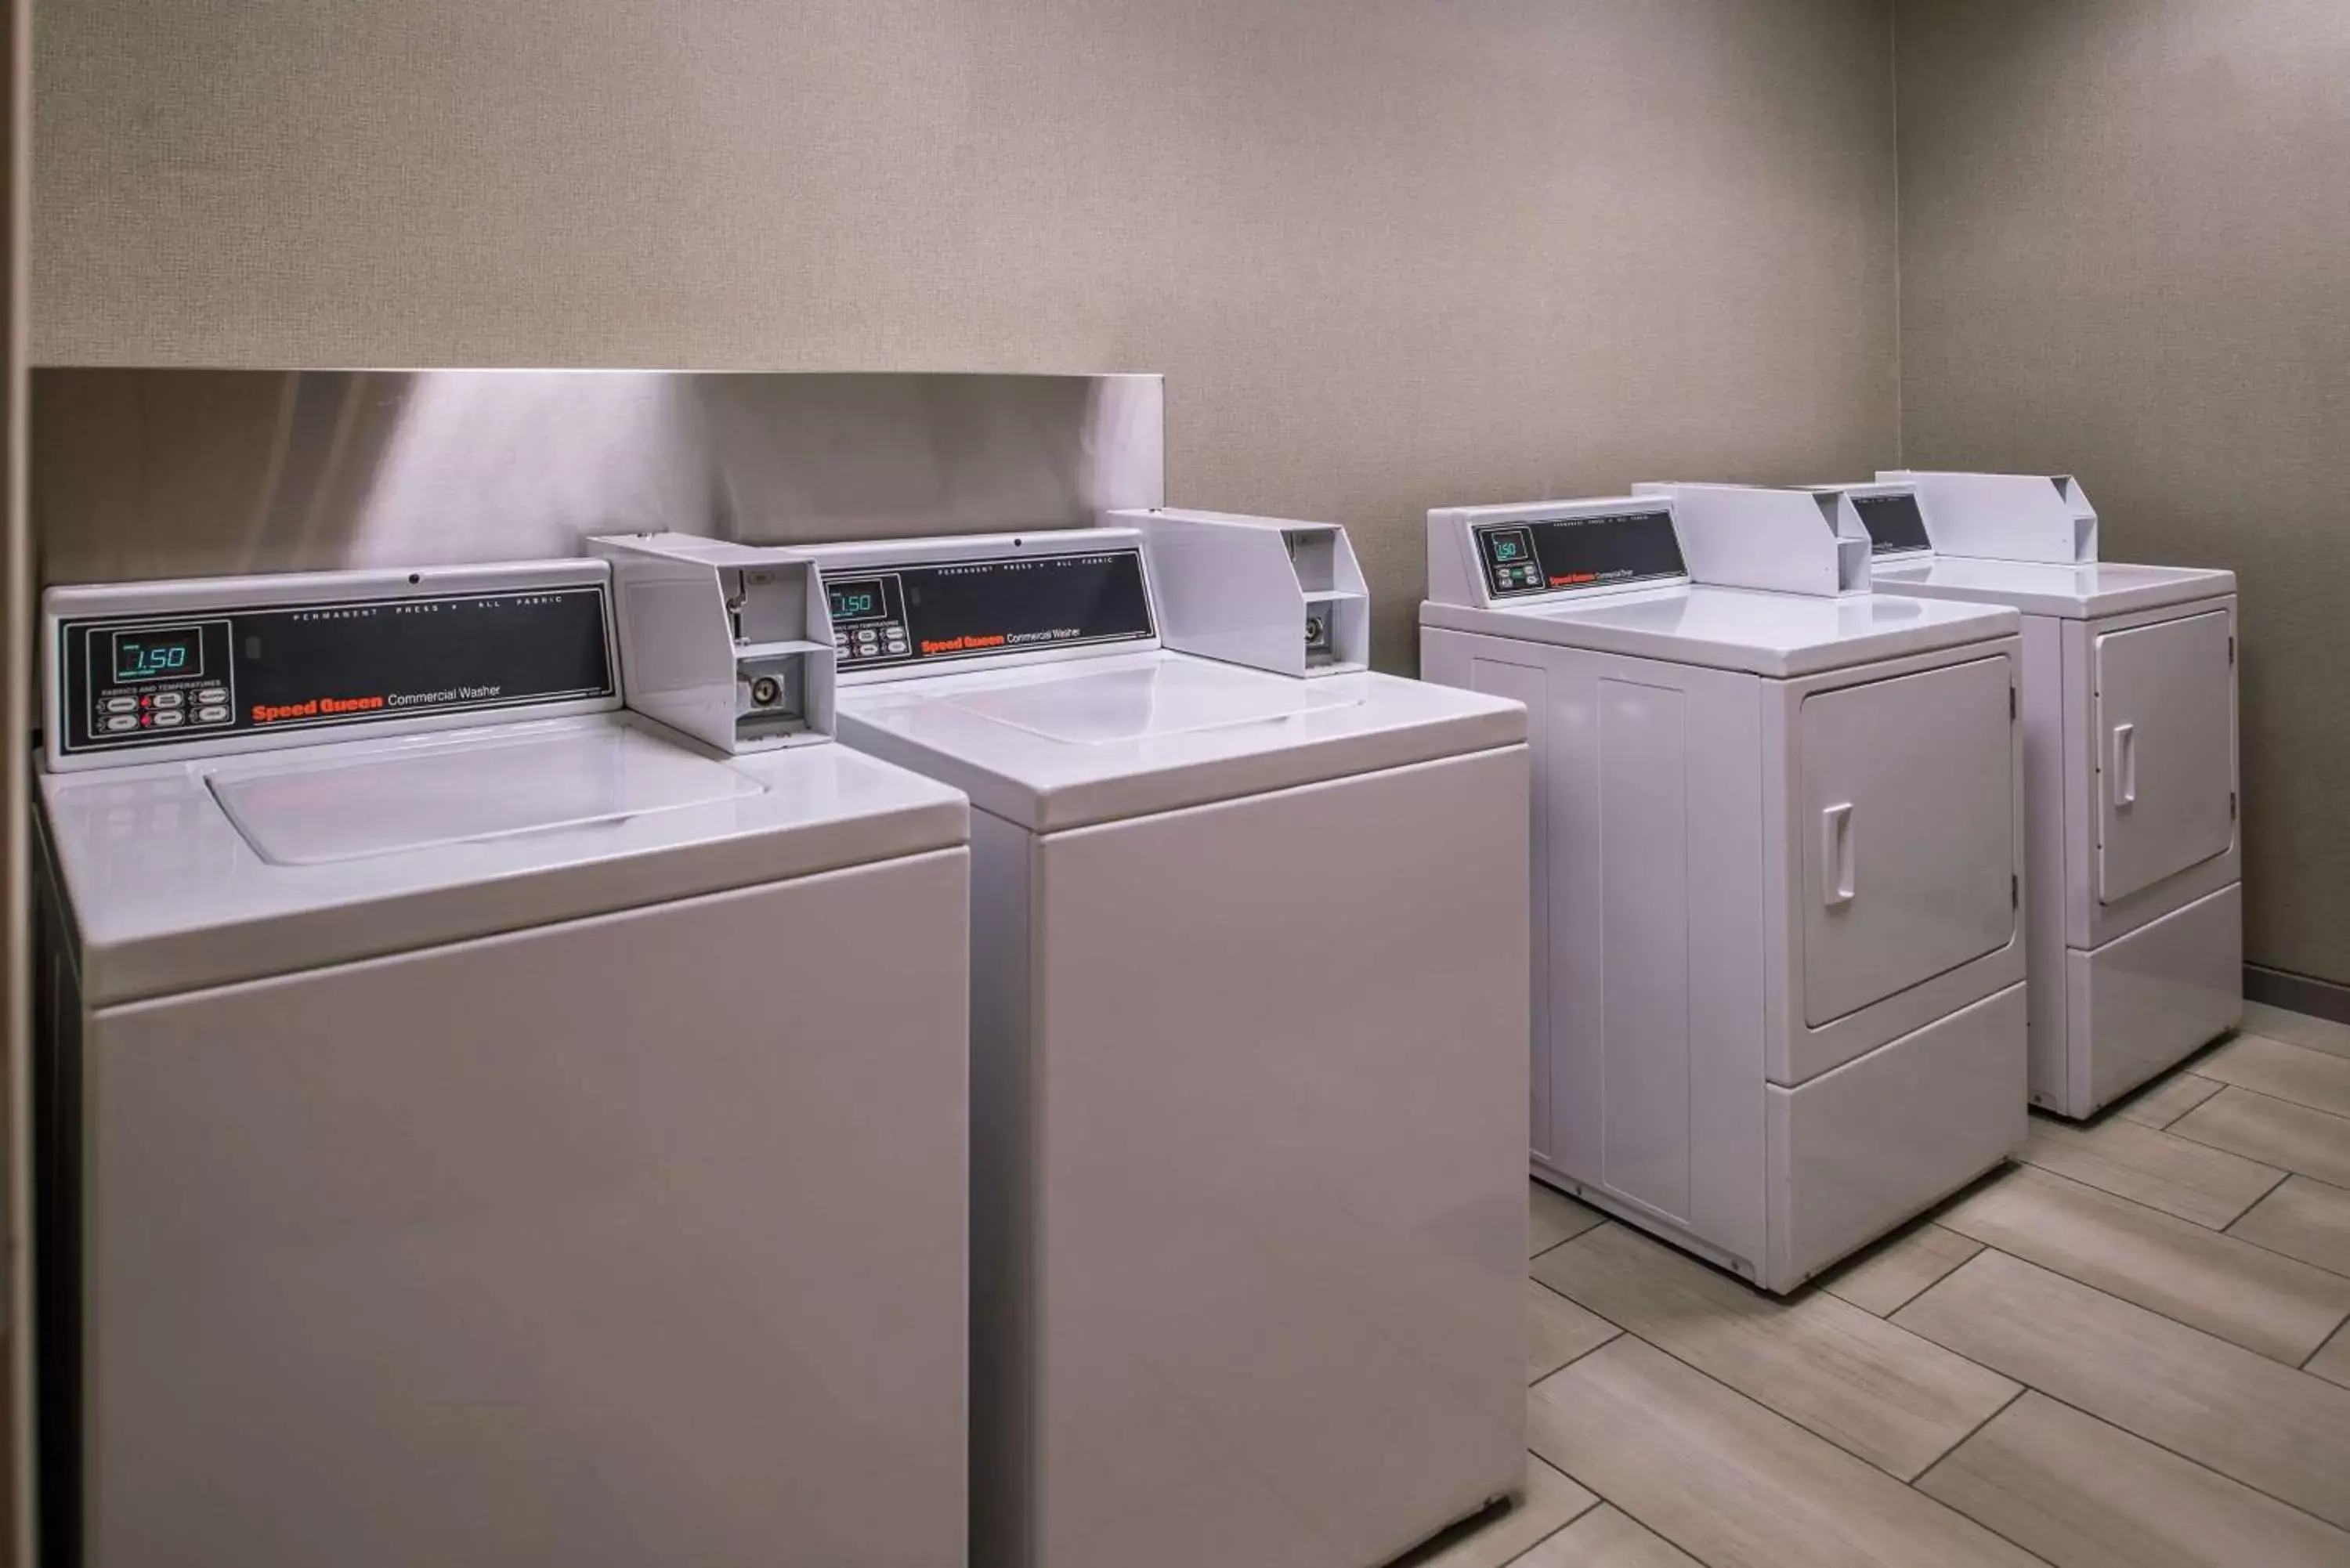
column 2074, row 592
column 1775, row 634
column 206, row 871
column 1074, row 742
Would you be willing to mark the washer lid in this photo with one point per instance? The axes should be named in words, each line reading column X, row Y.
column 1775, row 634
column 2081, row 592
column 181, row 874
column 1104, row 707
column 1057, row 745
column 323, row 811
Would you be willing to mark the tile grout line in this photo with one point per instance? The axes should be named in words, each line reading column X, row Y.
column 2191, row 1110
column 2125, row 1300
column 2258, row 1094
column 2303, row 1365
column 2174, row 1453
column 1799, row 1426
column 1887, row 1315
column 2278, row 1252
column 2282, row 1178
column 2022, row 1388
column 2118, row 1426
column 1590, row 1492
column 2154, row 1311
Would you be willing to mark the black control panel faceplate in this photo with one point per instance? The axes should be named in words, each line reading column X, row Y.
column 900, row 615
column 1607, row 550
column 128, row 681
column 1895, row 523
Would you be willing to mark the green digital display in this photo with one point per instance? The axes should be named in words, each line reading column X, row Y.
column 166, row 653
column 859, row 601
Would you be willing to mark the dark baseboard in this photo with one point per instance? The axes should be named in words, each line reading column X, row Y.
column 2297, row 993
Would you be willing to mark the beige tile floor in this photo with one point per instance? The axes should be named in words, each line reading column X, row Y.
column 2130, row 1347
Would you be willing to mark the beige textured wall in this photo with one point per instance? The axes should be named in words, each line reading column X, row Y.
column 2125, row 253
column 1390, row 253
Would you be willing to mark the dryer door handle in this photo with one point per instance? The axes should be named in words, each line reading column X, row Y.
column 2124, row 766
column 1836, row 855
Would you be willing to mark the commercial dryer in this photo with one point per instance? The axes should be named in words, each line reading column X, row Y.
column 1249, row 1006
column 1778, row 1001
column 476, row 1124
column 2134, row 913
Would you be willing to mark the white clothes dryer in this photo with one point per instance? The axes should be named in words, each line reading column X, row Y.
column 2136, row 864
column 1778, row 1002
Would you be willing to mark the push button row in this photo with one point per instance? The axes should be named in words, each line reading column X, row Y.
column 164, row 718
column 869, row 642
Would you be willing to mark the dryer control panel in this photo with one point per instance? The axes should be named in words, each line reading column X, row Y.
column 138, row 667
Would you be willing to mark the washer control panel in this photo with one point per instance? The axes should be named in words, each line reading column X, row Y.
column 131, row 680
column 911, row 612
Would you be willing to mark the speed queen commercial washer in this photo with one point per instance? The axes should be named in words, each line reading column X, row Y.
column 1779, row 987
column 1248, row 985
column 477, row 1125
column 2135, row 914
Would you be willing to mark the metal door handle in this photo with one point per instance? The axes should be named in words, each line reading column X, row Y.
column 2124, row 766
column 1835, row 854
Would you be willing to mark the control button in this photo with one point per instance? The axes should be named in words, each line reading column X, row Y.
column 170, row 717
column 122, row 721
column 866, row 637
column 212, row 716
column 119, row 705
column 211, row 694
column 171, row 699
column 840, row 640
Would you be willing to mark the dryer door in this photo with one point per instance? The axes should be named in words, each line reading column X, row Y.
column 1907, row 831
column 2165, row 738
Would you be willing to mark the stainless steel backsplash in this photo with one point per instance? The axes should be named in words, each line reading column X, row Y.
column 139, row 473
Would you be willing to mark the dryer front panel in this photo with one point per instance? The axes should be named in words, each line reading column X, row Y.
column 2165, row 700
column 1907, row 831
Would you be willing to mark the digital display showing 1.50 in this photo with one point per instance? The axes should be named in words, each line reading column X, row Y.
column 859, row 601
column 159, row 653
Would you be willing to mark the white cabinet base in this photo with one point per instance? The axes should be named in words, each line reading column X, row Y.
column 2145, row 1001
column 1854, row 1152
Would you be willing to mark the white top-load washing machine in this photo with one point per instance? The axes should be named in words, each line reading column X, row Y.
column 1249, row 1006
column 1778, row 1004
column 476, row 1126
column 2134, row 912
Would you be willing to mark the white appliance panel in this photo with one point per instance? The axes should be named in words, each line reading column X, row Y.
column 2165, row 729
column 1280, row 1226
column 1858, row 1150
column 1529, row 684
column 1600, row 892
column 1909, row 860
column 1645, row 916
column 2145, row 1001
column 459, row 1296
